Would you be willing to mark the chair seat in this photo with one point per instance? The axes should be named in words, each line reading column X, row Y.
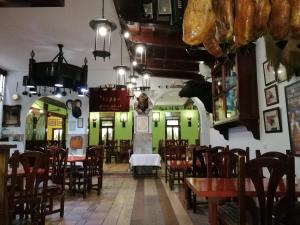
column 54, row 188
column 179, row 164
column 228, row 213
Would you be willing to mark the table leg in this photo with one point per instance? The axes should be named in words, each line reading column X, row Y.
column 188, row 196
column 212, row 211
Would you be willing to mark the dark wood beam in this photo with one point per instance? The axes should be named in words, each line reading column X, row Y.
column 32, row 3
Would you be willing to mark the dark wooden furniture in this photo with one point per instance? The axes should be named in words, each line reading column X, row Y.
column 235, row 99
column 56, row 184
column 111, row 150
column 125, row 150
column 242, row 152
column 4, row 155
column 263, row 209
column 26, row 199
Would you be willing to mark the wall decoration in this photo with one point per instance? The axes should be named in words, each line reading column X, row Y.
column 269, row 73
column 292, row 95
column 142, row 124
column 72, row 125
column 272, row 120
column 11, row 115
column 271, row 95
column 80, row 122
column 108, row 100
column 281, row 74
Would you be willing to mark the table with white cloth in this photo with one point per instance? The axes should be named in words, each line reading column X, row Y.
column 143, row 164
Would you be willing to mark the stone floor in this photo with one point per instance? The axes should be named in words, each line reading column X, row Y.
column 125, row 200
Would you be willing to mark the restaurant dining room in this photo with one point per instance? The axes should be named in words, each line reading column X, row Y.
column 149, row 112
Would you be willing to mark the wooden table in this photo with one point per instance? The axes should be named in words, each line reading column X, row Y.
column 216, row 188
column 72, row 159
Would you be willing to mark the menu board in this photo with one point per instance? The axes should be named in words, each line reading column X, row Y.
column 109, row 100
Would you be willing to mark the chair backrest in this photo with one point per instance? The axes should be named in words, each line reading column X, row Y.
column 271, row 154
column 93, row 164
column 266, row 189
column 125, row 145
column 241, row 152
column 182, row 142
column 178, row 153
column 222, row 164
column 32, row 168
column 217, row 149
column 199, row 162
column 59, row 157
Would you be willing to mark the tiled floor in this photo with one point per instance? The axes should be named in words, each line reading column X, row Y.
column 125, row 200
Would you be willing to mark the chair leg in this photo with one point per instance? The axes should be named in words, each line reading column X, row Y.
column 62, row 206
column 98, row 185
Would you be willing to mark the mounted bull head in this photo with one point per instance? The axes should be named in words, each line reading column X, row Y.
column 74, row 105
column 200, row 89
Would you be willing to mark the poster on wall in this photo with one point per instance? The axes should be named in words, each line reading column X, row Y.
column 109, row 100
column 292, row 94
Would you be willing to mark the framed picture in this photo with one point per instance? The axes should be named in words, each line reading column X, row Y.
column 80, row 123
column 269, row 73
column 142, row 124
column 272, row 119
column 11, row 115
column 292, row 95
column 281, row 74
column 271, row 95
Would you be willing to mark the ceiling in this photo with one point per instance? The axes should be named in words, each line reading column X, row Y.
column 39, row 28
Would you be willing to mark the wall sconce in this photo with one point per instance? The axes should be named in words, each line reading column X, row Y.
column 156, row 118
column 94, row 122
column 189, row 118
column 123, row 118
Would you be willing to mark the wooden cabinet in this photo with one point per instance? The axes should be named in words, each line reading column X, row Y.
column 235, row 99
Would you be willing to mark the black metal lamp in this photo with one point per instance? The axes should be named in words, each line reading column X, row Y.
column 121, row 70
column 103, row 28
column 123, row 118
column 156, row 118
column 189, row 119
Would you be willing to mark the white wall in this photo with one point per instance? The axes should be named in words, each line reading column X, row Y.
column 240, row 137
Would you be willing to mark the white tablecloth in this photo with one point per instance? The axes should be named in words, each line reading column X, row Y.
column 145, row 160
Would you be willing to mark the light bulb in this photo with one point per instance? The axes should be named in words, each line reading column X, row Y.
column 134, row 63
column 139, row 49
column 126, row 34
column 133, row 80
column 146, row 76
column 121, row 72
column 102, row 31
column 130, row 86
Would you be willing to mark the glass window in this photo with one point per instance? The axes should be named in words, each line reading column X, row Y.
column 172, row 122
column 107, row 123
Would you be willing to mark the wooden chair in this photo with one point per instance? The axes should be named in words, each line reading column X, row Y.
column 168, row 151
column 125, row 149
column 263, row 209
column 242, row 152
column 217, row 149
column 182, row 142
column 178, row 165
column 93, row 167
column 222, row 164
column 56, row 183
column 26, row 200
column 111, row 150
column 272, row 154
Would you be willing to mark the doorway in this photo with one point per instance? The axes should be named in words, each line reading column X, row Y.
column 172, row 129
column 106, row 130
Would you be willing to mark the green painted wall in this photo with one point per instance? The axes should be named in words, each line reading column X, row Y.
column 190, row 133
column 123, row 132
column 159, row 131
column 94, row 131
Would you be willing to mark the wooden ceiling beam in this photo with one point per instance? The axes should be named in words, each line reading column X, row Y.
column 32, row 3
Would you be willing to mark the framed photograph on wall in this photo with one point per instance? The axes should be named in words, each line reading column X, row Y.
column 292, row 95
column 11, row 115
column 272, row 120
column 80, row 123
column 142, row 124
column 271, row 95
column 269, row 73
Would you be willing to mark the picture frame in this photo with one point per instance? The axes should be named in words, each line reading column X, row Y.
column 80, row 123
column 11, row 115
column 292, row 95
column 272, row 120
column 269, row 73
column 142, row 124
column 281, row 74
column 271, row 95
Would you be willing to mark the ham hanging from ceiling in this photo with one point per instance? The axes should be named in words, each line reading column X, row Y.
column 261, row 18
column 243, row 23
column 198, row 20
column 224, row 19
column 295, row 18
column 212, row 44
column 279, row 21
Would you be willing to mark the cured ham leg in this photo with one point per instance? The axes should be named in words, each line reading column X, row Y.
column 261, row 18
column 295, row 18
column 212, row 44
column 279, row 22
column 198, row 20
column 243, row 23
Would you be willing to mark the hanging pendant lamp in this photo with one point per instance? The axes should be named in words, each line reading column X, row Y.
column 103, row 28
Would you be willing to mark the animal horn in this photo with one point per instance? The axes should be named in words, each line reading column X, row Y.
column 68, row 102
column 78, row 101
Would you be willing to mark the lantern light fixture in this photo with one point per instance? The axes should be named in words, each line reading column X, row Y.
column 156, row 118
column 103, row 28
